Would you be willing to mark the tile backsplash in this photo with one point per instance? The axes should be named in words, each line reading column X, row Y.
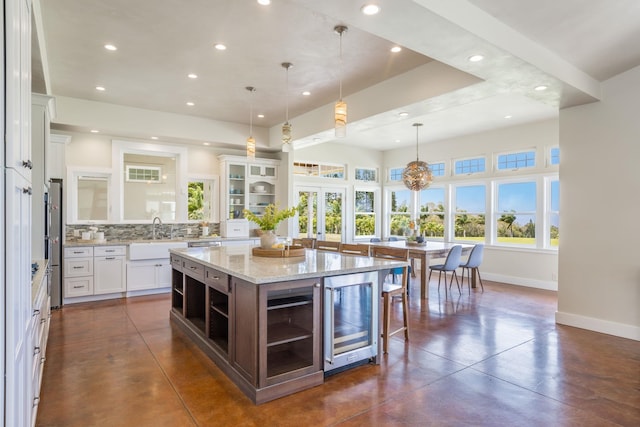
column 123, row 232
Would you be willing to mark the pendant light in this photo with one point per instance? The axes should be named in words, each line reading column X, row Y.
column 286, row 127
column 251, row 143
column 340, row 111
column 417, row 175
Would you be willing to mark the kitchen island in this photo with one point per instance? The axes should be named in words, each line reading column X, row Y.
column 261, row 320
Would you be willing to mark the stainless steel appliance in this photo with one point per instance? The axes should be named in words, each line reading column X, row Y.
column 351, row 304
column 53, row 213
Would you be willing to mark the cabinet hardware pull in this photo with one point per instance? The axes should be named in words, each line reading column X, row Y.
column 110, row 257
column 36, row 312
column 78, row 287
column 27, row 190
column 36, row 350
column 76, row 267
column 109, row 250
column 316, row 285
column 27, row 164
column 78, row 252
column 193, row 268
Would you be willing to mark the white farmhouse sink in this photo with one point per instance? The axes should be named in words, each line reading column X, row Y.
column 152, row 250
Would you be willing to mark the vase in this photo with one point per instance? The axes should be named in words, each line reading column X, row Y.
column 268, row 238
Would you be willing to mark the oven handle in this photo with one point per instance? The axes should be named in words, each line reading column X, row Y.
column 329, row 327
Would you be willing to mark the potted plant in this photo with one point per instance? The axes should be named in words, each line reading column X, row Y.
column 268, row 222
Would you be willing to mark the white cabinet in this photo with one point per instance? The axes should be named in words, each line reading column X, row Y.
column 246, row 185
column 109, row 269
column 94, row 271
column 39, row 337
column 149, row 274
column 78, row 272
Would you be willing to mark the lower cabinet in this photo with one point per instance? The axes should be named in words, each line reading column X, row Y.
column 148, row 274
column 266, row 338
column 90, row 271
column 109, row 269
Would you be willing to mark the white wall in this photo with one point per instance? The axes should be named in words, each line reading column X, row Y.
column 599, row 268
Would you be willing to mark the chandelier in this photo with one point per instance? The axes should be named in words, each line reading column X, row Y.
column 417, row 175
column 340, row 111
column 251, row 142
column 286, row 127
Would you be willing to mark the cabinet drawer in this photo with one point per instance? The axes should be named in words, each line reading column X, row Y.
column 194, row 270
column 109, row 250
column 76, row 267
column 216, row 279
column 79, row 252
column 176, row 262
column 78, row 287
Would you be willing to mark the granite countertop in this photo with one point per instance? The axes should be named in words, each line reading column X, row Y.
column 37, row 278
column 71, row 244
column 239, row 261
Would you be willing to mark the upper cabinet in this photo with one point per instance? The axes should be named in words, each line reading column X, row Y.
column 246, row 185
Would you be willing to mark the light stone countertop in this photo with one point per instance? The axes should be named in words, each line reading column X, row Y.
column 239, row 262
column 70, row 244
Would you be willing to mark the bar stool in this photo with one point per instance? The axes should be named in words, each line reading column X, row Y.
column 326, row 245
column 389, row 290
column 354, row 249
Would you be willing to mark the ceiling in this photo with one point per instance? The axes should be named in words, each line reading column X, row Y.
column 563, row 45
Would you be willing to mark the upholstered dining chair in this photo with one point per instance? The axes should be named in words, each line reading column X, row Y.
column 326, row 245
column 451, row 263
column 375, row 240
column 389, row 290
column 393, row 239
column 354, row 249
column 472, row 265
column 305, row 242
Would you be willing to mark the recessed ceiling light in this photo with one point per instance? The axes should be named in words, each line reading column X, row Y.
column 476, row 58
column 508, row 116
column 396, row 49
column 206, row 143
column 403, row 114
column 110, row 47
column 264, row 2
column 540, row 88
column 306, row 93
column 192, row 76
column 190, row 104
column 261, row 116
column 397, row 140
column 94, row 131
column 100, row 88
column 220, row 46
column 370, row 9
column 154, row 137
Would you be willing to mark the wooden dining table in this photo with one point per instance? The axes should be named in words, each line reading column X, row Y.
column 433, row 249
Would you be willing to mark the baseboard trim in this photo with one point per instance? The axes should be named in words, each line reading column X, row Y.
column 522, row 281
column 598, row 325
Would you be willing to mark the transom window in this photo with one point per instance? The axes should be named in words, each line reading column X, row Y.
column 366, row 174
column 554, row 156
column 395, row 174
column 147, row 174
column 524, row 159
column 467, row 166
column 437, row 169
column 321, row 170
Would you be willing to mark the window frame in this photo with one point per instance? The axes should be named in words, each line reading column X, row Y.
column 454, row 211
column 389, row 213
column 496, row 213
column 463, row 159
column 375, row 212
column 364, row 181
column 517, row 168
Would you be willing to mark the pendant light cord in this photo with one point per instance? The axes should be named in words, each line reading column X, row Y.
column 341, row 65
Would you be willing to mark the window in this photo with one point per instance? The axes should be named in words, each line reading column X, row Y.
column 365, row 213
column 395, row 174
column 89, row 196
column 432, row 212
column 554, row 213
column 437, row 169
column 322, row 170
column 554, row 156
column 201, row 197
column 148, row 174
column 470, row 212
column 365, row 174
column 515, row 213
column 467, row 166
column 525, row 159
column 399, row 212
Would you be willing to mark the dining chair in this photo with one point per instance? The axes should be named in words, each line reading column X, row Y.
column 389, row 290
column 305, row 242
column 393, row 239
column 375, row 240
column 451, row 263
column 354, row 249
column 326, row 245
column 472, row 265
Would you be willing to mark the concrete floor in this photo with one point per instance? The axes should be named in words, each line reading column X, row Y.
column 486, row 359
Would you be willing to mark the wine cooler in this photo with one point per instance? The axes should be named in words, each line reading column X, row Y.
column 351, row 304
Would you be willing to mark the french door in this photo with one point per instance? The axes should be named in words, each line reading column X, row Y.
column 321, row 213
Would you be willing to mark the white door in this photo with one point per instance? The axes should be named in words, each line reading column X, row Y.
column 321, row 214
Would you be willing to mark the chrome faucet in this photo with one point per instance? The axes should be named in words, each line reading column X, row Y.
column 154, row 226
